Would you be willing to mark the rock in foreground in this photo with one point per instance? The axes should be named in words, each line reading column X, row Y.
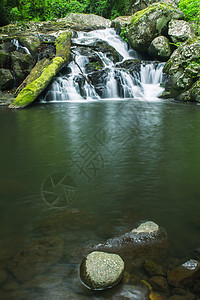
column 100, row 270
column 148, row 241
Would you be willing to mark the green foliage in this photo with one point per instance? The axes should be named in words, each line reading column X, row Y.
column 123, row 34
column 191, row 9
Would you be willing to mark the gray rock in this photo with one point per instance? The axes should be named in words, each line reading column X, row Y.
column 4, row 59
column 31, row 42
column 120, row 22
column 180, row 31
column 160, row 48
column 36, row 257
column 87, row 21
column 100, row 270
column 22, row 65
column 150, row 23
column 7, row 80
column 182, row 69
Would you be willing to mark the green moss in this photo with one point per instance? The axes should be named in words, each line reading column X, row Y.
column 63, row 45
column 34, row 89
column 153, row 7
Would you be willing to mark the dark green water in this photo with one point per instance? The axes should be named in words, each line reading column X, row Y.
column 129, row 160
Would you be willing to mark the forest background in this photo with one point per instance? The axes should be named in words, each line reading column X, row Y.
column 42, row 10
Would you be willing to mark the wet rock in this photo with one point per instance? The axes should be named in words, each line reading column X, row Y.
column 4, row 59
column 120, row 22
column 87, row 21
column 153, row 269
column 160, row 48
column 182, row 70
column 22, row 64
column 132, row 65
column 149, row 24
column 94, row 62
column 179, row 30
column 185, row 274
column 36, row 257
column 159, row 283
column 148, row 241
column 104, row 47
column 100, row 270
column 31, row 42
column 7, row 80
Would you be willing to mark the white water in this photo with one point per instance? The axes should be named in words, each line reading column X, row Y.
column 118, row 83
column 18, row 46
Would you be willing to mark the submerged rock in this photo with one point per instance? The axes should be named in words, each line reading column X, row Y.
column 100, row 270
column 36, row 257
column 148, row 241
column 160, row 48
column 185, row 274
column 149, row 23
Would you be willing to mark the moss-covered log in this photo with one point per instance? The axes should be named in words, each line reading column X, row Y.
column 39, row 80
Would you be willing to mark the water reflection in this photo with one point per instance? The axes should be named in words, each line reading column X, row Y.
column 150, row 171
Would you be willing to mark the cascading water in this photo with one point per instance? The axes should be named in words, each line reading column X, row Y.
column 102, row 67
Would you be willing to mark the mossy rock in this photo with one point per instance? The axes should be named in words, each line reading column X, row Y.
column 149, row 23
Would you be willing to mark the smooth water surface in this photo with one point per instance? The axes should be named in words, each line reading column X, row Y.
column 129, row 160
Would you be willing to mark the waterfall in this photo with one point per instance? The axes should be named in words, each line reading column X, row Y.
column 103, row 67
column 16, row 43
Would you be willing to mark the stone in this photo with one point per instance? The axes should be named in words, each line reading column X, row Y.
column 179, row 31
column 101, row 270
column 160, row 48
column 22, row 64
column 150, row 23
column 31, row 42
column 4, row 59
column 182, row 70
column 185, row 274
column 7, row 80
column 87, row 21
column 148, row 241
column 153, row 269
column 159, row 283
column 120, row 22
column 36, row 257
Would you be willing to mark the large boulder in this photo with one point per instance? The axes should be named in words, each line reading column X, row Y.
column 86, row 21
column 183, row 70
column 101, row 270
column 4, row 59
column 180, row 31
column 148, row 241
column 160, row 48
column 7, row 80
column 31, row 42
column 150, row 23
column 37, row 84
